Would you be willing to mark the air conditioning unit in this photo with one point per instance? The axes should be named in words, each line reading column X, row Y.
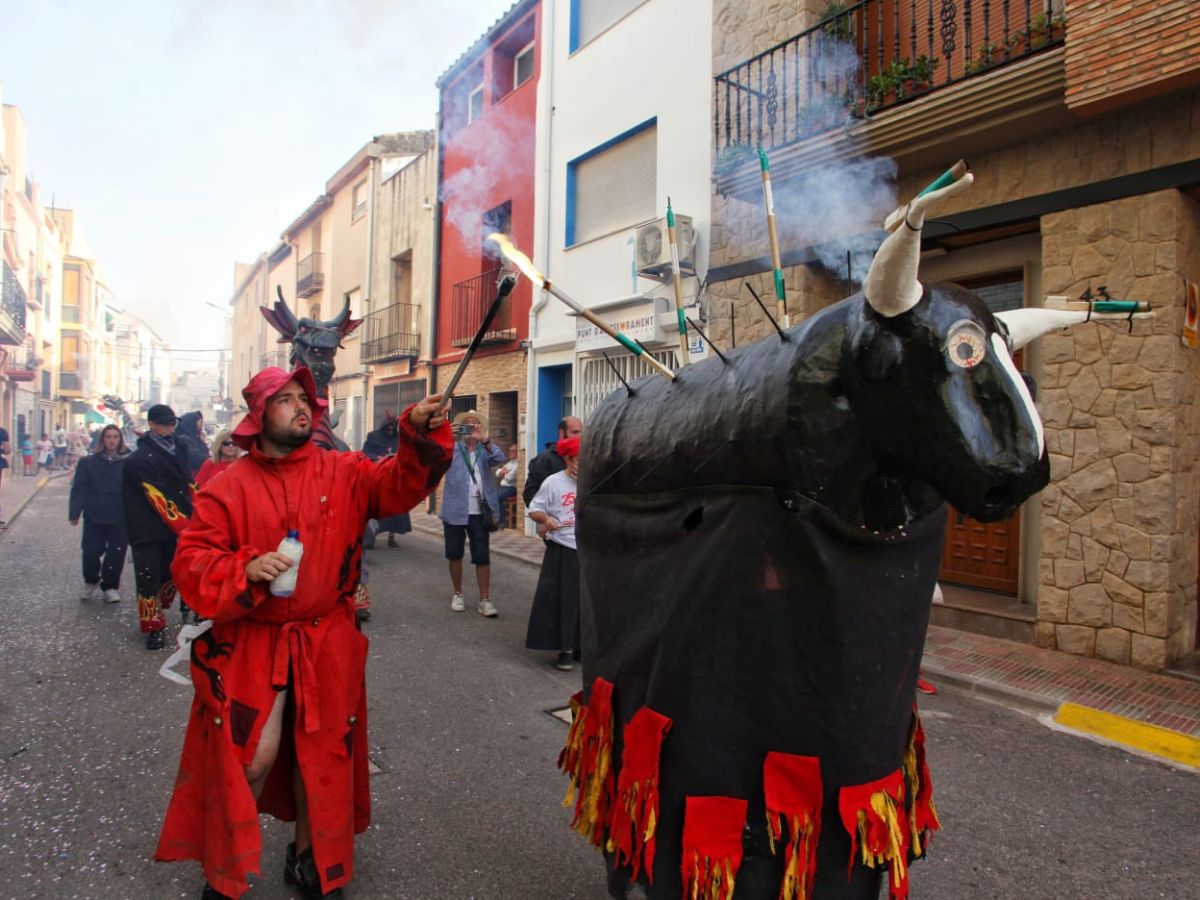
column 654, row 248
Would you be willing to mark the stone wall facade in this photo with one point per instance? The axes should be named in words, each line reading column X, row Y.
column 1118, row 566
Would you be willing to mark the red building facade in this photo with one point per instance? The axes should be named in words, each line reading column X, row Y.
column 487, row 135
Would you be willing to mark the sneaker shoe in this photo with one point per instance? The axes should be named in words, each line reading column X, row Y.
column 392, row 542
column 90, row 592
column 211, row 893
column 564, row 663
column 155, row 640
column 112, row 595
column 457, row 603
column 925, row 687
column 486, row 608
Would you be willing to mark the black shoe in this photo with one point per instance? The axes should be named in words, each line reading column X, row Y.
column 155, row 640
column 392, row 542
column 362, row 615
column 300, row 871
column 564, row 663
column 211, row 893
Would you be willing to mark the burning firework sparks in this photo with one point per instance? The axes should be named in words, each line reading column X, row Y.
column 522, row 262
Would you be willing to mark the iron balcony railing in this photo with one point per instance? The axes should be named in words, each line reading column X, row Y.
column 391, row 334
column 470, row 300
column 277, row 358
column 865, row 57
column 310, row 275
column 12, row 308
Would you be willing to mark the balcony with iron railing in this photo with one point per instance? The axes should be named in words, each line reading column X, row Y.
column 863, row 60
column 310, row 275
column 12, row 308
column 470, row 300
column 70, row 383
column 391, row 333
column 277, row 358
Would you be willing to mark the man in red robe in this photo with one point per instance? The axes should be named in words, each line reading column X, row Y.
column 278, row 723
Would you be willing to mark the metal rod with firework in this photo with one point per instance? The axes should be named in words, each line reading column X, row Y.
column 947, row 178
column 680, row 318
column 522, row 262
column 773, row 236
column 503, row 289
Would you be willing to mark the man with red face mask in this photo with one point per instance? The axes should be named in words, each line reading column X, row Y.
column 278, row 723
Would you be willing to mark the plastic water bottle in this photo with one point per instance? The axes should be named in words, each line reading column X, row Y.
column 285, row 582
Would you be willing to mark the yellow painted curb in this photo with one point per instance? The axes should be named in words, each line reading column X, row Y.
column 1164, row 742
column 43, row 481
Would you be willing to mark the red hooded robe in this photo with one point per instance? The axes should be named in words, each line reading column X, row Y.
column 257, row 639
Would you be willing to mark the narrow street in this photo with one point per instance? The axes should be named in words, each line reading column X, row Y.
column 467, row 796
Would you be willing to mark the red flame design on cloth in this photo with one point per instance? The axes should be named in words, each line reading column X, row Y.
column 587, row 761
column 793, row 793
column 712, row 846
column 922, row 815
column 635, row 815
column 873, row 814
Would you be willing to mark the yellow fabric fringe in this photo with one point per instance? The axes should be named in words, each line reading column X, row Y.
column 920, row 793
column 591, row 814
column 893, row 851
column 797, row 879
column 709, row 880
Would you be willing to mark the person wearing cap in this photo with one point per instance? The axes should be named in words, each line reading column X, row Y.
column 156, row 494
column 278, row 722
column 470, row 487
column 554, row 617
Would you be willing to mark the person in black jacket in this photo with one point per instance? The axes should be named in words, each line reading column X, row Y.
column 190, row 433
column 548, row 461
column 157, row 496
column 96, row 496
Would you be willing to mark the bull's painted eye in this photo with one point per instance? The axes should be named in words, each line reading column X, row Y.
column 967, row 345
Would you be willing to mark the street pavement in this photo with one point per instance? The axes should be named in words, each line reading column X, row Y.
column 467, row 796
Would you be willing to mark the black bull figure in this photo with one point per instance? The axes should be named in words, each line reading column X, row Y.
column 760, row 539
column 314, row 344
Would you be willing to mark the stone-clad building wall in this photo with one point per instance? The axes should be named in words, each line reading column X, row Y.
column 1119, row 519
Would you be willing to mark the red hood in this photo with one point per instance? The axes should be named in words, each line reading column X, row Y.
column 261, row 388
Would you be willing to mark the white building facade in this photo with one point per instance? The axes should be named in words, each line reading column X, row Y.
column 624, row 123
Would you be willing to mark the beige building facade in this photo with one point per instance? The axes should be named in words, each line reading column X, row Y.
column 1085, row 182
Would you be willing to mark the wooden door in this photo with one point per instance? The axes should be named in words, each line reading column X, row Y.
column 982, row 555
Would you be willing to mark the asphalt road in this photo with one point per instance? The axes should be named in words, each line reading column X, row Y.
column 467, row 799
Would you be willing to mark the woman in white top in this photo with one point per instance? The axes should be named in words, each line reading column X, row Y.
column 554, row 618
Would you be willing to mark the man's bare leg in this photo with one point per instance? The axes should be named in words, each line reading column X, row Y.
column 268, row 747
column 483, row 574
column 456, row 575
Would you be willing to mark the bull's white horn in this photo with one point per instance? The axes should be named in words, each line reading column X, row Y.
column 1027, row 325
column 891, row 285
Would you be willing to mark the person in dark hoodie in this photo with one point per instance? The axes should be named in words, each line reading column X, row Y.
column 157, row 496
column 190, row 433
column 96, row 497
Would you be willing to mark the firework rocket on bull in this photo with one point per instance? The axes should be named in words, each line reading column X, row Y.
column 680, row 318
column 947, row 178
column 773, row 236
column 522, row 262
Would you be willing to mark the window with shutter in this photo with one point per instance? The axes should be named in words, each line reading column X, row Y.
column 613, row 186
column 589, row 18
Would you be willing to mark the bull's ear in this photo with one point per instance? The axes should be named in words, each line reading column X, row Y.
column 876, row 350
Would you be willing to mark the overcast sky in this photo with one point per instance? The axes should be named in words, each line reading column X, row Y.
column 187, row 134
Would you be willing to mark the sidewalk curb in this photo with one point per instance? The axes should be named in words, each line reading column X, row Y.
column 41, row 483
column 1164, row 745
column 493, row 549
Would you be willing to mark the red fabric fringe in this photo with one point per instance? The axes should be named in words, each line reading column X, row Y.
column 635, row 814
column 793, row 793
column 712, row 846
column 922, row 814
column 587, row 760
column 873, row 814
